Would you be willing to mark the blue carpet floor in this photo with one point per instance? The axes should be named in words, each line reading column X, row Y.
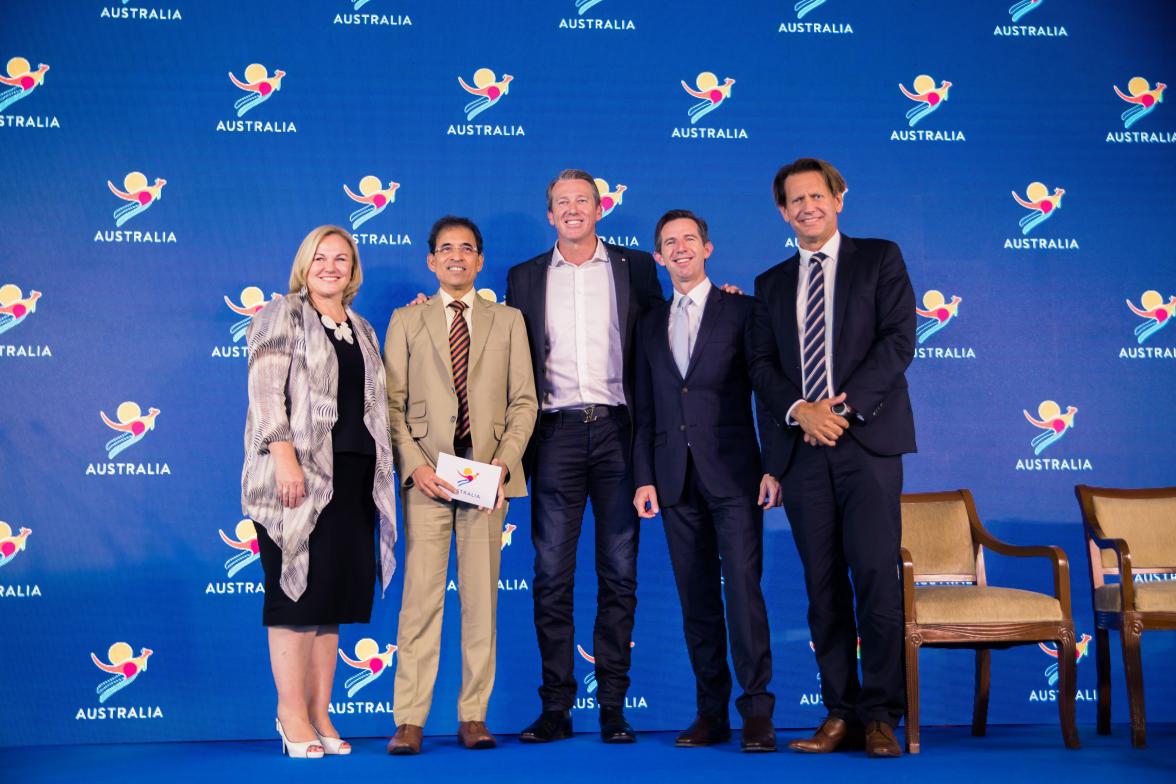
column 950, row 754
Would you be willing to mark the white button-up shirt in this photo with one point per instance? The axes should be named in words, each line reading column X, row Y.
column 585, row 359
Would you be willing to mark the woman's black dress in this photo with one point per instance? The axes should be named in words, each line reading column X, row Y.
column 342, row 574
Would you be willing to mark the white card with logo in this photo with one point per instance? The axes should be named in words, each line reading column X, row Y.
column 476, row 483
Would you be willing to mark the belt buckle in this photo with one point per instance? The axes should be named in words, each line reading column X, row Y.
column 589, row 413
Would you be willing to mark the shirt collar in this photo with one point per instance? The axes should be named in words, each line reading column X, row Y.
column 468, row 298
column 600, row 254
column 831, row 247
column 697, row 295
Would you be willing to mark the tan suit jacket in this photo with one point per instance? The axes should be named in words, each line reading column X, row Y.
column 422, row 402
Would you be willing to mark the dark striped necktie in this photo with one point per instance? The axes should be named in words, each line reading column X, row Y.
column 816, row 364
column 459, row 354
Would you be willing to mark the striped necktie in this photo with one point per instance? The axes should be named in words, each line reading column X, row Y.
column 459, row 354
column 816, row 364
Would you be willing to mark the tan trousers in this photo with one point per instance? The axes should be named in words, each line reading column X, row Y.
column 429, row 525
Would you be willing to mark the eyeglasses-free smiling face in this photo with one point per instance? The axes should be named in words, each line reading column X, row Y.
column 456, row 261
column 810, row 208
column 574, row 210
column 683, row 253
column 330, row 269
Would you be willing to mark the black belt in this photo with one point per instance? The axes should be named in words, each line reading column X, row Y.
column 567, row 416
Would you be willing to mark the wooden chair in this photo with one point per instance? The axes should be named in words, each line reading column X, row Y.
column 943, row 543
column 1128, row 533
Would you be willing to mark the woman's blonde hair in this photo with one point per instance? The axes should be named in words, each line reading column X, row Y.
column 305, row 255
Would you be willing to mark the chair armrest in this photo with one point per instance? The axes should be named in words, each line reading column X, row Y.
column 985, row 538
column 908, row 585
column 1122, row 555
column 1056, row 555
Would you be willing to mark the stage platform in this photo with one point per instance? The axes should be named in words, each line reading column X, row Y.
column 950, row 754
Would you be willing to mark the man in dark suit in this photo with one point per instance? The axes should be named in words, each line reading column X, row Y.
column 581, row 301
column 696, row 459
column 843, row 313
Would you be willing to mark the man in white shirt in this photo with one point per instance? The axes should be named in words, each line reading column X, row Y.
column 581, row 301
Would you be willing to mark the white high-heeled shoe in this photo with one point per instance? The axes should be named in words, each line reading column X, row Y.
column 311, row 749
column 333, row 745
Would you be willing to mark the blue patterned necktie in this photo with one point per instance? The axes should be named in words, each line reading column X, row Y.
column 816, row 364
column 680, row 335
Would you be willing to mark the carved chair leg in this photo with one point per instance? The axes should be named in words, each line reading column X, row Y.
column 1067, row 685
column 1102, row 663
column 913, row 641
column 1133, row 669
column 980, row 697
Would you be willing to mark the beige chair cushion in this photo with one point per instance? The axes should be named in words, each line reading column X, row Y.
column 938, row 537
column 1148, row 525
column 1149, row 597
column 973, row 604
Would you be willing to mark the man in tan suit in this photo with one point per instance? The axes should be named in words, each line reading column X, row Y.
column 460, row 382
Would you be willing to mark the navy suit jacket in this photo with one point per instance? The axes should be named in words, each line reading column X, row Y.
column 707, row 414
column 873, row 343
column 637, row 290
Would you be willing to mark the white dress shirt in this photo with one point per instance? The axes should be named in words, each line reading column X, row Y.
column 585, row 359
column 697, row 296
column 831, row 248
column 467, row 314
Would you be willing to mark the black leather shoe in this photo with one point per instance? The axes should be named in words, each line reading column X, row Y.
column 614, row 728
column 551, row 725
column 705, row 731
column 758, row 734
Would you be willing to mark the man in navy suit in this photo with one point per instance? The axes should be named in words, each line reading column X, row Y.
column 696, row 459
column 581, row 301
column 843, row 313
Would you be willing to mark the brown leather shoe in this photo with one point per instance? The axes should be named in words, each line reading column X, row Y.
column 880, row 740
column 759, row 734
column 834, row 734
column 705, row 731
column 407, row 740
column 474, row 735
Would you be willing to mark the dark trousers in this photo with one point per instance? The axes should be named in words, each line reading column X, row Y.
column 717, row 549
column 843, row 504
column 577, row 461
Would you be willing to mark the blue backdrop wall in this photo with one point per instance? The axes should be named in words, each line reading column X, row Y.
column 162, row 160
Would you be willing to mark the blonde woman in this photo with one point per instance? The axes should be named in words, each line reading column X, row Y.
column 317, row 475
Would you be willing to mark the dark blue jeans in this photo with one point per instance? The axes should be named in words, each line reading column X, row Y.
column 577, row 461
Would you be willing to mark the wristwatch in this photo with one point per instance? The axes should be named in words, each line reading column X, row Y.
column 841, row 409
